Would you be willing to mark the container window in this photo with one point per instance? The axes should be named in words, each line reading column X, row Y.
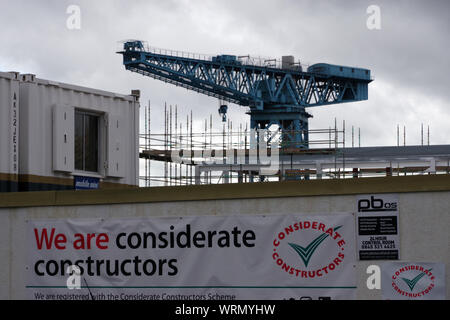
column 86, row 141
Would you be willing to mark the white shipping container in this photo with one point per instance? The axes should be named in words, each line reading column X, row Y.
column 48, row 153
column 9, row 131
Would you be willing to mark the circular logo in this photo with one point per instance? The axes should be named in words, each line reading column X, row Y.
column 413, row 281
column 309, row 249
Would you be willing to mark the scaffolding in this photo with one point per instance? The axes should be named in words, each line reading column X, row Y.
column 234, row 153
column 179, row 154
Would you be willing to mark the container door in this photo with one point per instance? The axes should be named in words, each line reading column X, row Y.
column 116, row 147
column 63, row 138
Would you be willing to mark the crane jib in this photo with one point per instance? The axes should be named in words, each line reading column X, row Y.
column 275, row 94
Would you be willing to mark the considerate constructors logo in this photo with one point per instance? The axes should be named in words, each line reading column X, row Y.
column 305, row 241
column 413, row 281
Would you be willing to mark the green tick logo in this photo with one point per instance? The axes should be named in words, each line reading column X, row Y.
column 283, row 244
column 417, row 277
column 306, row 253
column 412, row 282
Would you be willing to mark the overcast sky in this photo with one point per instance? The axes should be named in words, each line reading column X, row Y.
column 408, row 56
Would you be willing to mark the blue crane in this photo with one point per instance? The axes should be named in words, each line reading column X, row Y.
column 276, row 94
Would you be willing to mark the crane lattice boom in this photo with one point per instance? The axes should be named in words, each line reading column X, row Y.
column 275, row 94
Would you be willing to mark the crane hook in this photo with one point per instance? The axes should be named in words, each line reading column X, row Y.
column 223, row 112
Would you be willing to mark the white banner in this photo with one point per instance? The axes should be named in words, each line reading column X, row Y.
column 413, row 281
column 197, row 258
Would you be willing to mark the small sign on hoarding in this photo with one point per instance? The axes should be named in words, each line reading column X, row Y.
column 413, row 281
column 378, row 227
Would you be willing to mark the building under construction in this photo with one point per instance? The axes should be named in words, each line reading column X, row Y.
column 181, row 156
column 277, row 143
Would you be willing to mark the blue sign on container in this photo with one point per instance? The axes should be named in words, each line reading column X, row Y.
column 86, row 183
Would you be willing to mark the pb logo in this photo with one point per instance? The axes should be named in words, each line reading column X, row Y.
column 375, row 204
